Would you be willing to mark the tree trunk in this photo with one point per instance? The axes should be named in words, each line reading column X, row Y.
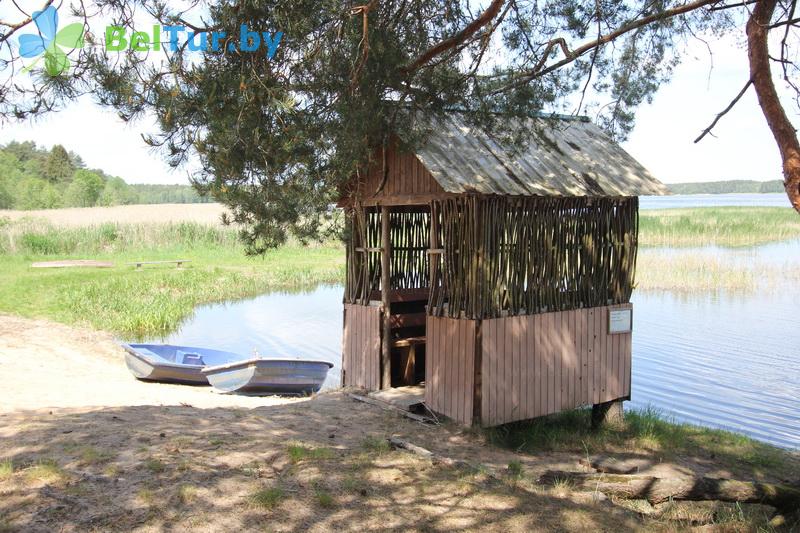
column 658, row 490
column 761, row 75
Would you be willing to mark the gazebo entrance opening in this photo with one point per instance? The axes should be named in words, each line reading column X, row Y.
column 394, row 278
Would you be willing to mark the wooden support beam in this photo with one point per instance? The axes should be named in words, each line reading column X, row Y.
column 434, row 258
column 386, row 338
column 607, row 414
column 403, row 295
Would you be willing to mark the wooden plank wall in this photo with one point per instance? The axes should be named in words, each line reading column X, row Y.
column 361, row 346
column 407, row 177
column 450, row 367
column 535, row 365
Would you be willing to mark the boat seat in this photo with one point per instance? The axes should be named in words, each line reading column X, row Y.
column 192, row 359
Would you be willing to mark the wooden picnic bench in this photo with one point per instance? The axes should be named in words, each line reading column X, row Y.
column 178, row 262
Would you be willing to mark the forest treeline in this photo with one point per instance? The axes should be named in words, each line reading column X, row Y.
column 35, row 177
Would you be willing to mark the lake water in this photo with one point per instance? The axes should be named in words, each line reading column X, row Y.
column 721, row 360
column 714, row 200
column 305, row 324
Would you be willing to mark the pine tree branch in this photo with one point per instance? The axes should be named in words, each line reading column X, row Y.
column 443, row 46
column 724, row 111
column 540, row 70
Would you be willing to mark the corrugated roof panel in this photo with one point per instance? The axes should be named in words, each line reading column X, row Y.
column 564, row 158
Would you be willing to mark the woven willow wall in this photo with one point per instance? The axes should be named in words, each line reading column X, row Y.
column 363, row 266
column 409, row 232
column 524, row 255
column 501, row 255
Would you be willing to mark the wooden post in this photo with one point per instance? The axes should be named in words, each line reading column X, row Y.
column 386, row 338
column 607, row 414
column 434, row 261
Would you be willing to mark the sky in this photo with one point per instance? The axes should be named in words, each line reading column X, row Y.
column 742, row 148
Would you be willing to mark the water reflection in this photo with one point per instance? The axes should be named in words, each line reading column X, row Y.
column 720, row 360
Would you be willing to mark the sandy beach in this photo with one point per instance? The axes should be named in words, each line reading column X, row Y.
column 48, row 365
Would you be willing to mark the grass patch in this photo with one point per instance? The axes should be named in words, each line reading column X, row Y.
column 722, row 226
column 561, row 487
column 6, row 469
column 6, row 526
column 267, row 498
column 216, row 442
column 355, row 483
column 298, row 453
column 514, row 469
column 186, row 494
column 374, row 444
column 46, row 470
column 146, row 496
column 324, row 498
column 154, row 466
column 645, row 430
column 89, row 455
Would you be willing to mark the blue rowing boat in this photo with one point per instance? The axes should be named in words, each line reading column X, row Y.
column 226, row 371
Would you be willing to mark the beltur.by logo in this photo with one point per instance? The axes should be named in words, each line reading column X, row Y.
column 49, row 42
column 175, row 37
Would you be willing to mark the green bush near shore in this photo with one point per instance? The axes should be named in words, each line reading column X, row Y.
column 720, row 226
column 154, row 300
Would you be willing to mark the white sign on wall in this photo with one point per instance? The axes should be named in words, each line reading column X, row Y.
column 620, row 320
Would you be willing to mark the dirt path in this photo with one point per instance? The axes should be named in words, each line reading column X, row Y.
column 85, row 447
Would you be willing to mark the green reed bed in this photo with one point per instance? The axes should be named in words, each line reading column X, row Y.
column 38, row 237
column 720, row 226
column 678, row 271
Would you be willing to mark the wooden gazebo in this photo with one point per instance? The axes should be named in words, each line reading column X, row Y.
column 499, row 279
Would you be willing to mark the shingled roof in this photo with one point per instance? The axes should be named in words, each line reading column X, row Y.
column 566, row 157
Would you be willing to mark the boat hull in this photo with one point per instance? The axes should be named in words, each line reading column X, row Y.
column 149, row 369
column 269, row 376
